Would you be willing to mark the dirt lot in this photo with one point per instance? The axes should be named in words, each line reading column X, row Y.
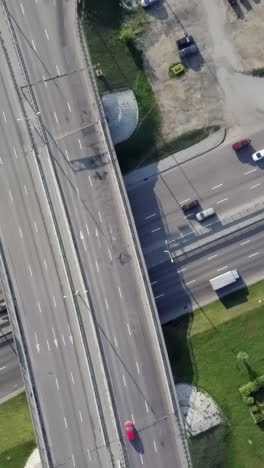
column 215, row 90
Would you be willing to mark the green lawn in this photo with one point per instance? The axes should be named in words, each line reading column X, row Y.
column 105, row 23
column 208, row 359
column 16, row 434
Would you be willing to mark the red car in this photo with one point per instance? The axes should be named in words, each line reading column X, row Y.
column 130, row 430
column 240, row 144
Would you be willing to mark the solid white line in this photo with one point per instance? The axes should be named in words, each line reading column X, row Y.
column 20, row 232
column 4, row 116
column 216, row 186
column 157, row 229
column 253, row 255
column 72, row 378
column 2, row 368
column 80, row 144
column 97, row 267
column 58, row 71
column 157, row 297
column 36, row 227
column 119, row 290
column 46, row 32
column 245, row 242
column 73, row 460
column 21, row 6
column 181, row 270
column 254, row 186
column 137, row 367
column 141, row 458
column 223, row 268
column 106, row 303
column 146, row 405
column 56, row 118
column 221, row 201
column 128, row 327
column 124, row 380
column 33, row 43
column 10, row 194
column 65, row 422
column 249, row 172
column 115, row 340
column 155, row 447
column 190, row 282
column 184, row 201
column 212, row 256
column 80, row 414
column 154, row 282
column 150, row 216
column 110, row 255
column 100, row 217
column 69, row 107
column 90, row 181
column 57, row 383
column 14, row 149
column 30, row 271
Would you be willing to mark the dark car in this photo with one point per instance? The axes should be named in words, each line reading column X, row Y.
column 186, row 46
column 189, row 206
column 233, row 2
column 240, row 144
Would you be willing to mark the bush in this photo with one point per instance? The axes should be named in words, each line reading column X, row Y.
column 258, row 417
column 248, row 400
column 254, row 409
column 260, row 380
column 247, row 389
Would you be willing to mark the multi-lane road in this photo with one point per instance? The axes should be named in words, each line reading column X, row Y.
column 93, row 340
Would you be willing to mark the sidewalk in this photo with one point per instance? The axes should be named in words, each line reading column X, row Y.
column 176, row 159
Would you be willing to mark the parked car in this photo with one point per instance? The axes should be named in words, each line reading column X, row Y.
column 240, row 144
column 205, row 214
column 258, row 155
column 189, row 206
column 186, row 46
column 148, row 3
column 233, row 2
column 130, row 430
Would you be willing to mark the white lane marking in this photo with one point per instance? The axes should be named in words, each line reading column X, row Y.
column 26, row 191
column 10, row 195
column 36, row 227
column 97, row 235
column 37, row 343
column 128, row 327
column 119, row 290
column 46, row 32
column 141, row 458
column 57, row 384
column 223, row 268
column 15, row 153
column 110, row 255
column 124, row 380
column 72, row 378
column 44, row 79
column 89, row 455
column 222, row 201
column 188, row 215
column 254, row 186
column 155, row 447
column 190, row 282
column 63, row 339
column 34, row 47
column 2, row 368
column 245, row 242
column 154, row 282
column 54, row 302
column 1, row 162
column 80, row 144
column 77, row 191
column 39, row 307
column 157, row 229
column 150, row 216
column 106, row 303
column 67, row 155
column 137, row 366
column 90, row 181
column 97, row 267
column 253, row 255
column 55, row 116
column 48, row 345
column 184, row 201
column 157, row 297
column 83, row 240
column 54, row 338
column 100, row 217
column 30, row 271
column 249, row 172
column 216, row 186
column 58, row 71
column 133, row 419
column 87, row 230
column 73, row 460
column 146, row 405
column 65, row 422
column 22, row 8
column 212, row 256
column 4, row 116
column 20, row 232
column 45, row 264
column 69, row 107
column 181, row 270
column 80, row 414
column 115, row 340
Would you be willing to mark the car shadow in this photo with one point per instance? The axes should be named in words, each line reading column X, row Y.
column 245, row 156
column 157, row 11
column 246, row 5
column 238, row 11
column 194, row 62
column 234, row 295
column 137, row 443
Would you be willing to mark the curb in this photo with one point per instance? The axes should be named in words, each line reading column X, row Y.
column 12, row 395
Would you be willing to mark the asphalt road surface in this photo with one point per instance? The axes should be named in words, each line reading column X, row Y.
column 89, row 329
column 10, row 374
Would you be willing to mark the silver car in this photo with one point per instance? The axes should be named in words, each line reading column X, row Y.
column 205, row 214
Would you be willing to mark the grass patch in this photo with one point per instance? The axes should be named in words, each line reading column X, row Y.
column 207, row 357
column 258, row 72
column 16, row 433
column 113, row 36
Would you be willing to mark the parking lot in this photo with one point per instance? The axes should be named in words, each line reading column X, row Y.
column 216, row 89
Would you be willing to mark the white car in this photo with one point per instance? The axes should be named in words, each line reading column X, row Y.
column 147, row 3
column 205, row 214
column 258, row 155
